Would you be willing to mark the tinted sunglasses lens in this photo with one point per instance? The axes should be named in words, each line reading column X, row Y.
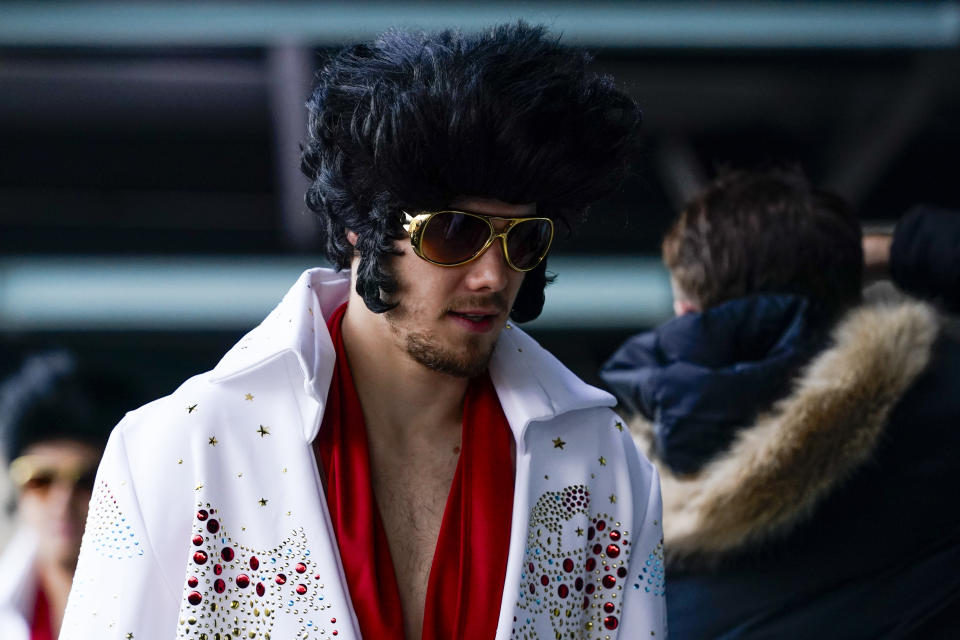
column 528, row 242
column 87, row 480
column 450, row 237
column 40, row 481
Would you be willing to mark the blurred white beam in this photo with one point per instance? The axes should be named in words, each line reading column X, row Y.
column 599, row 24
column 291, row 71
column 97, row 293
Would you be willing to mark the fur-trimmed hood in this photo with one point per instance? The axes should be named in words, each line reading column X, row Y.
column 779, row 468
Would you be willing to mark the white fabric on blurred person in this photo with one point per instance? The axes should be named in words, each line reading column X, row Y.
column 19, row 585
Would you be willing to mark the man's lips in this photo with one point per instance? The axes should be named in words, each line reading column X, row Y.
column 480, row 320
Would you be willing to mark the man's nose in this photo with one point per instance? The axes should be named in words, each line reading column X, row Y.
column 490, row 271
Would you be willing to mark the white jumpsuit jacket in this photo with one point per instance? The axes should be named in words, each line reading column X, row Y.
column 208, row 519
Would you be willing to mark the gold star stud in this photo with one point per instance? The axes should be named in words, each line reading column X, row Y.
column 263, row 431
column 619, row 426
column 579, row 531
column 199, row 486
column 248, row 396
column 129, row 636
column 558, row 443
column 263, row 502
column 602, row 461
column 613, row 499
column 240, row 475
column 191, row 408
column 180, row 461
column 213, row 441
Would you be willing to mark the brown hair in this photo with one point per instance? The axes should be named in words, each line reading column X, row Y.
column 766, row 232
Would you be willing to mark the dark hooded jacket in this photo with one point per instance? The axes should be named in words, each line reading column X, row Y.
column 809, row 476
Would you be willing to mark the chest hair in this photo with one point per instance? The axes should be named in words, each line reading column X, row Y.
column 411, row 492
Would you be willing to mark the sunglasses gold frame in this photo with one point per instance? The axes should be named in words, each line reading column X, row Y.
column 414, row 225
column 26, row 468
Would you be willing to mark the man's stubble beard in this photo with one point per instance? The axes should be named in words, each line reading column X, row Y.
column 424, row 347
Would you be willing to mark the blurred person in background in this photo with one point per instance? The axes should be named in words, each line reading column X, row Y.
column 807, row 438
column 54, row 420
column 385, row 456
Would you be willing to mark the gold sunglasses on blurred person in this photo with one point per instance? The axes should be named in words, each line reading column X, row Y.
column 34, row 473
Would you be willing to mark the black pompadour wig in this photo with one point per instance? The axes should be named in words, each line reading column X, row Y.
column 414, row 120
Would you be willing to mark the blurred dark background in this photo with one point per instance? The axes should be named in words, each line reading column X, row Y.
column 151, row 203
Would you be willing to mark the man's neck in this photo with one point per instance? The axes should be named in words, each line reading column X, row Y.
column 403, row 401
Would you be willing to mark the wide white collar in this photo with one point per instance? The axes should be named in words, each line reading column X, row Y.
column 531, row 383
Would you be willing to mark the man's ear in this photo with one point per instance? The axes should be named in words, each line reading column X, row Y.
column 352, row 237
column 682, row 304
column 683, row 307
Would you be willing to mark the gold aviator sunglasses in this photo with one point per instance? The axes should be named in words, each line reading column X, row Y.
column 451, row 238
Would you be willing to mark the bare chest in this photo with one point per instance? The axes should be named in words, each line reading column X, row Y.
column 412, row 498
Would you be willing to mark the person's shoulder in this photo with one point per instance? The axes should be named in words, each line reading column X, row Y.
column 175, row 424
column 176, row 412
column 603, row 430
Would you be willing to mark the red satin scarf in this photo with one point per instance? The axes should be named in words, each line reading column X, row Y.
column 466, row 578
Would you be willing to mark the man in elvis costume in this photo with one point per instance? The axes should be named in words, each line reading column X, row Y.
column 385, row 455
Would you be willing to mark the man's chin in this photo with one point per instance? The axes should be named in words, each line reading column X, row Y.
column 468, row 364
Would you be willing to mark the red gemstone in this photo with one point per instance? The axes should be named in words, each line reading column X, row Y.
column 335, row 632
column 606, row 567
column 261, row 589
column 200, row 557
column 578, row 584
column 254, row 563
column 544, row 580
column 613, row 551
column 243, row 581
column 217, row 569
column 563, row 591
column 590, row 533
column 591, row 564
column 591, row 588
column 301, row 567
column 192, row 582
column 280, row 579
column 614, row 535
column 586, row 602
column 609, row 581
column 530, row 567
column 227, row 554
column 194, row 598
column 219, row 585
column 622, row 572
column 333, row 621
column 197, row 540
column 202, row 515
column 301, row 589
column 568, row 565
column 533, row 588
column 597, row 548
column 213, row 526
column 601, row 525
column 608, row 607
column 610, row 622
